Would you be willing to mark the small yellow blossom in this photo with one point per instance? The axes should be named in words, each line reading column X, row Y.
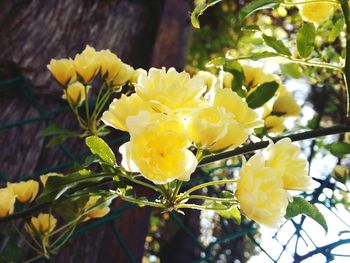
column 254, row 76
column 340, row 173
column 284, row 157
column 25, row 191
column 215, row 129
column 227, row 78
column 63, row 70
column 44, row 177
column 43, row 223
column 120, row 109
column 274, row 124
column 158, row 148
column 87, row 64
column 75, row 93
column 7, row 203
column 169, row 91
column 316, row 12
column 260, row 192
column 286, row 104
column 209, row 79
column 236, row 105
column 96, row 212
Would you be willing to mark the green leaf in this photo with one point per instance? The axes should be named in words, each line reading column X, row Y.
column 228, row 211
column 306, row 39
column 301, row 206
column 216, row 62
column 291, row 69
column 199, row 10
column 262, row 94
column 101, row 148
column 277, row 45
column 337, row 28
column 253, row 28
column 236, row 69
column 255, row 6
column 71, row 208
column 339, row 149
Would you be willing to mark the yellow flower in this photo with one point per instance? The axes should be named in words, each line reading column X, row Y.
column 113, row 69
column 120, row 109
column 158, row 148
column 96, row 212
column 87, row 64
column 234, row 104
column 43, row 224
column 25, row 191
column 286, row 105
column 274, row 124
column 75, row 93
column 136, row 74
column 284, row 157
column 44, row 177
column 316, row 12
column 254, row 76
column 170, row 90
column 209, row 79
column 340, row 173
column 215, row 129
column 227, row 78
column 7, row 203
column 63, row 70
column 260, row 192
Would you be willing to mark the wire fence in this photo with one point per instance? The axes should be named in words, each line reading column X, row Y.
column 296, row 236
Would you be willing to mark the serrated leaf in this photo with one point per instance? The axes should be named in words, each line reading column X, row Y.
column 262, row 94
column 277, row 45
column 339, row 149
column 301, row 206
column 254, row 6
column 337, row 28
column 216, row 62
column 101, row 148
column 199, row 10
column 306, row 39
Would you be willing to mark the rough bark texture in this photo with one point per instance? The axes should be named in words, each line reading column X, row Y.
column 32, row 32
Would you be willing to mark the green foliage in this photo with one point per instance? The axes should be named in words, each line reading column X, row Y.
column 200, row 8
column 306, row 40
column 276, row 44
column 256, row 5
column 262, row 94
column 339, row 149
column 59, row 135
column 301, row 206
column 236, row 69
column 101, row 148
column 336, row 30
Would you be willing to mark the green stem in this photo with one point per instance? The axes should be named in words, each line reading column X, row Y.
column 197, row 187
column 346, row 71
column 24, row 238
column 143, row 202
column 218, row 199
column 309, row 2
column 34, row 259
column 87, row 105
column 198, row 207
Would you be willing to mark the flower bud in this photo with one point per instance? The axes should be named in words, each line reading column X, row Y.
column 63, row 70
column 7, row 203
column 25, row 191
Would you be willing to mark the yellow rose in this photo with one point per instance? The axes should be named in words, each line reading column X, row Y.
column 274, row 124
column 87, row 64
column 340, row 173
column 284, row 157
column 286, row 104
column 136, row 74
column 209, row 79
column 254, row 76
column 316, row 12
column 44, row 177
column 75, row 93
column 7, row 204
column 63, row 70
column 25, row 191
column 234, row 104
column 43, row 224
column 260, row 192
column 120, row 109
column 158, row 148
column 215, row 129
column 96, row 212
column 170, row 90
column 227, row 78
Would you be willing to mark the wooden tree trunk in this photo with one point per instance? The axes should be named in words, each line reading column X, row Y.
column 32, row 32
